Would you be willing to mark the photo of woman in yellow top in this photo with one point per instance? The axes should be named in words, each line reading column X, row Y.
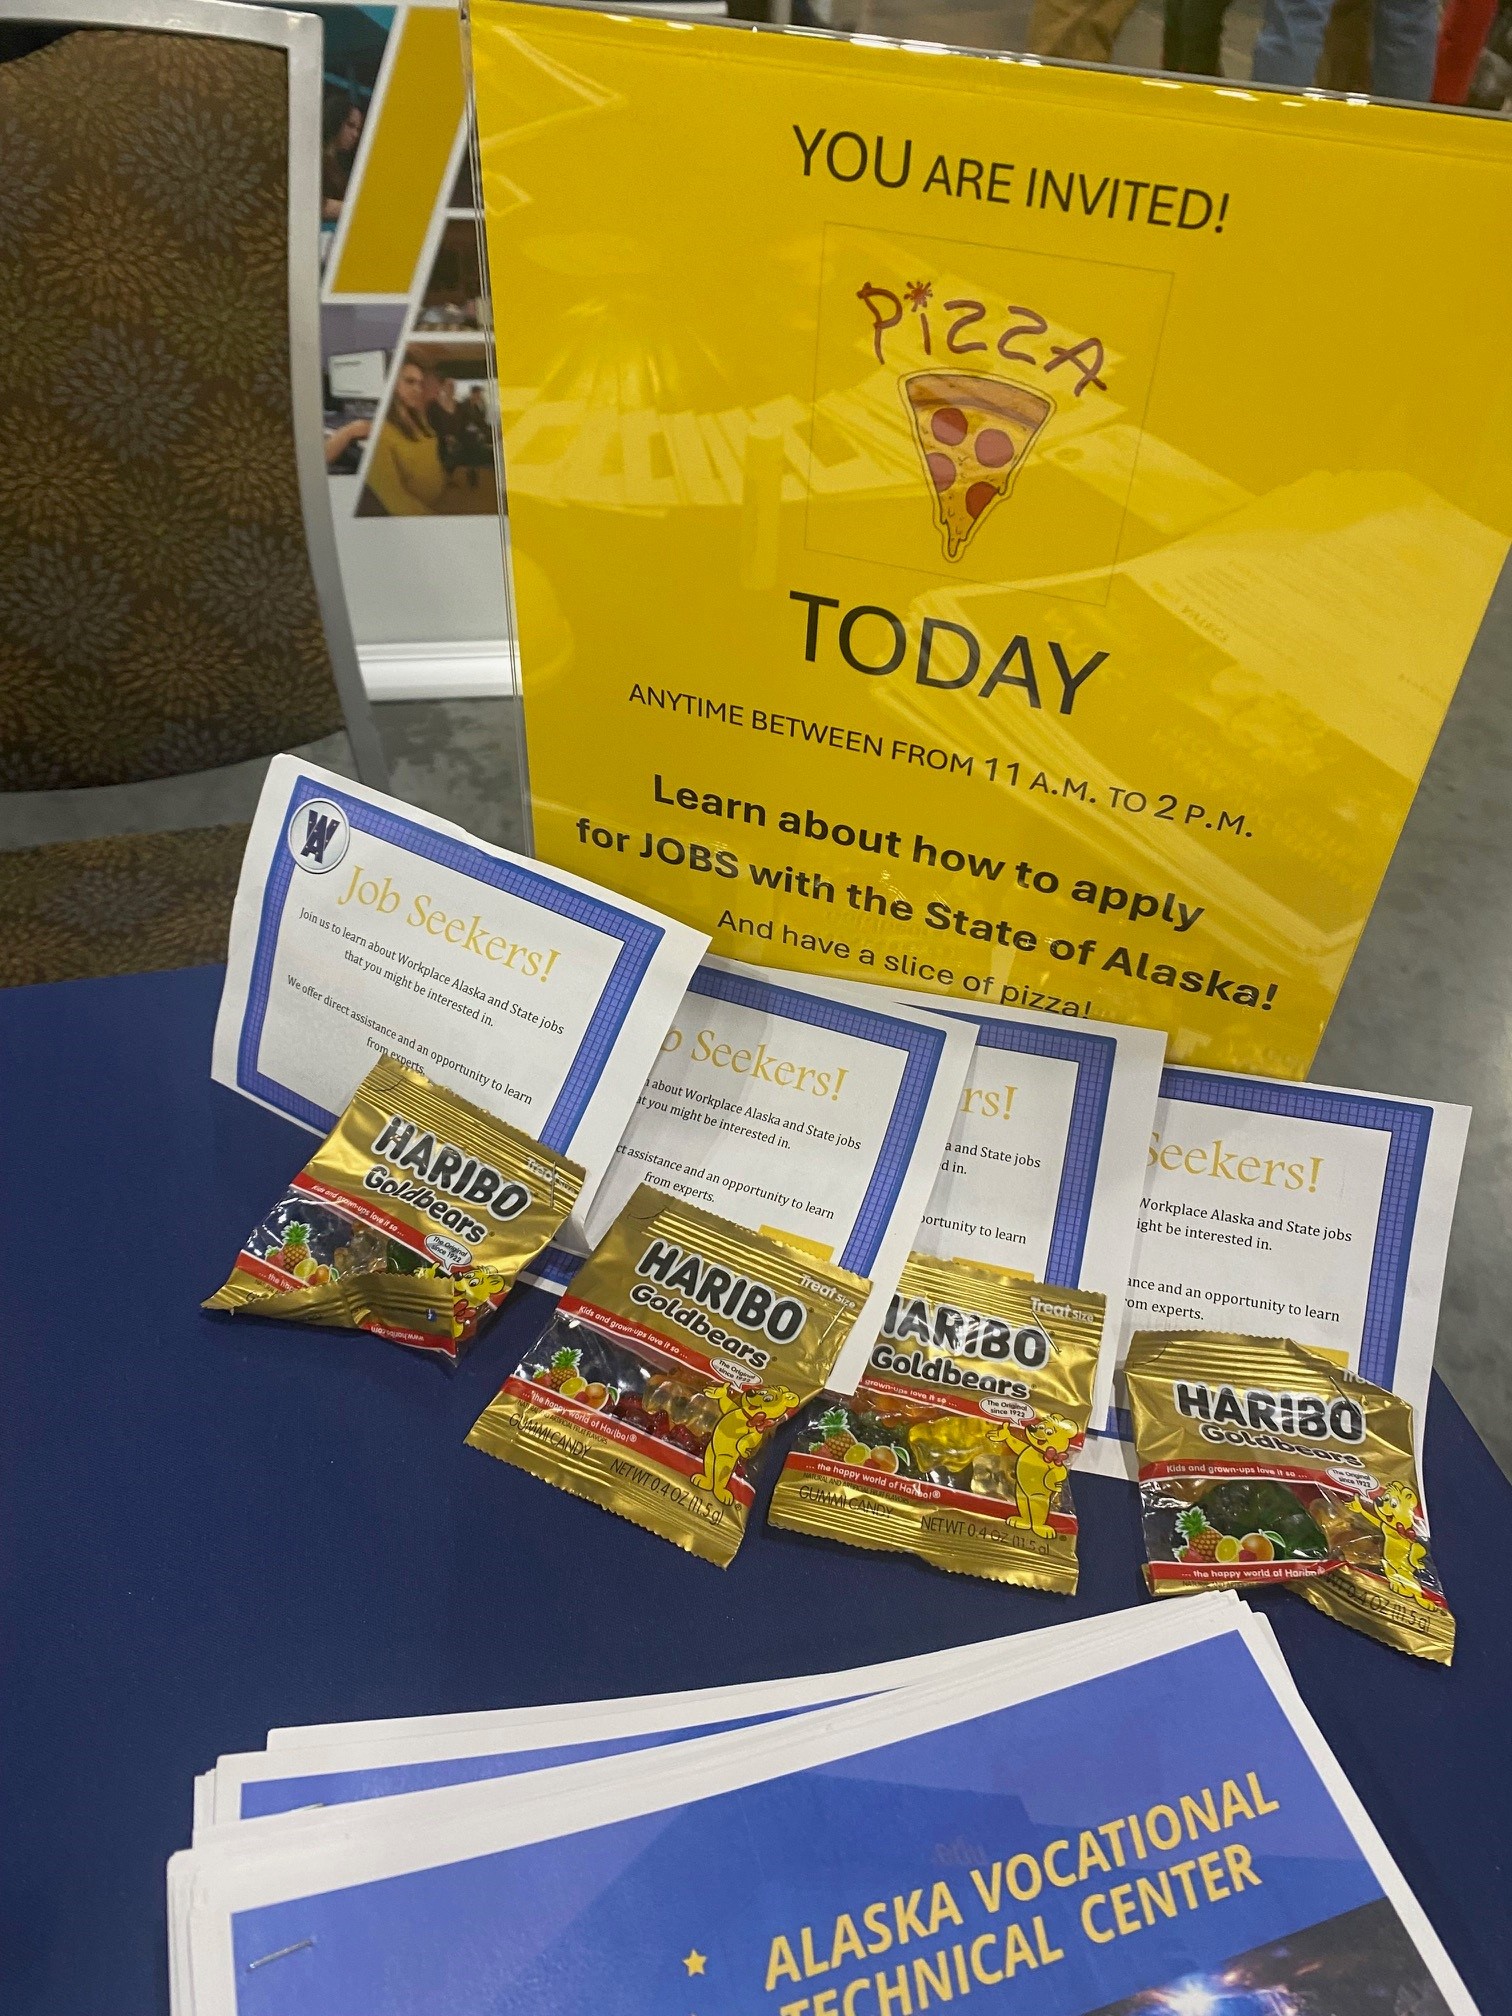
column 406, row 475
column 433, row 456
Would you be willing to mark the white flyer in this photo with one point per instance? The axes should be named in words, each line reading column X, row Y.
column 304, row 1770
column 1305, row 1211
column 363, row 925
column 816, row 1109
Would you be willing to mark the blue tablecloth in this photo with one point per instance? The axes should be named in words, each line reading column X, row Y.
column 209, row 1526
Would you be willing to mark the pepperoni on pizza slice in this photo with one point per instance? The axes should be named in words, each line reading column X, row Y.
column 973, row 433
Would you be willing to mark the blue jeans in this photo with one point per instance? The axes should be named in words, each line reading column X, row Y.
column 1403, row 43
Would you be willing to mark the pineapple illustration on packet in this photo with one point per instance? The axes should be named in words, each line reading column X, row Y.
column 294, row 1255
column 1200, row 1541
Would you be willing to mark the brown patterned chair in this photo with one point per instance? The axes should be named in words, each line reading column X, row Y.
column 169, row 594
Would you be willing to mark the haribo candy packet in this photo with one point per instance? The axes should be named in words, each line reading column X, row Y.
column 673, row 1355
column 412, row 1218
column 956, row 1443
column 1262, row 1462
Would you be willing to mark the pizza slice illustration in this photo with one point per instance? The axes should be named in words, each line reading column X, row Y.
column 973, row 433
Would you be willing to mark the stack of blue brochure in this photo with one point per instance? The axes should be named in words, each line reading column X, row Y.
column 1131, row 1815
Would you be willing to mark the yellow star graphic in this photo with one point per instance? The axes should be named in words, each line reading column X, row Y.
column 695, row 1961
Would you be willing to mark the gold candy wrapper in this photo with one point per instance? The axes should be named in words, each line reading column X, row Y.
column 673, row 1355
column 412, row 1219
column 956, row 1444
column 1261, row 1462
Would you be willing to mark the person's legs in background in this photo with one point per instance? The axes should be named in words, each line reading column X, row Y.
column 1403, row 48
column 1082, row 30
column 1345, row 62
column 1290, row 41
column 1193, row 42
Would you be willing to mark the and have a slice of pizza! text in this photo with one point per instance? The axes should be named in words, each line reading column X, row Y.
column 973, row 433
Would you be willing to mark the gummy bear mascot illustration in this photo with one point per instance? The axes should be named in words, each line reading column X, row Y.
column 1394, row 1512
column 745, row 1420
column 1040, row 1446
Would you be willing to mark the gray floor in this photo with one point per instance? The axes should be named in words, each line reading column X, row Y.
column 1427, row 1007
column 457, row 757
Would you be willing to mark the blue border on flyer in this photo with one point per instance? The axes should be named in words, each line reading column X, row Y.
column 1407, row 1127
column 1094, row 1057
column 553, row 1268
column 637, row 937
column 922, row 1048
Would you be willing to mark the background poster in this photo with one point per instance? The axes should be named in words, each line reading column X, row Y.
column 409, row 407
column 1005, row 526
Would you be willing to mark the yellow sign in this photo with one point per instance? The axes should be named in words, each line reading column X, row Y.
column 984, row 527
